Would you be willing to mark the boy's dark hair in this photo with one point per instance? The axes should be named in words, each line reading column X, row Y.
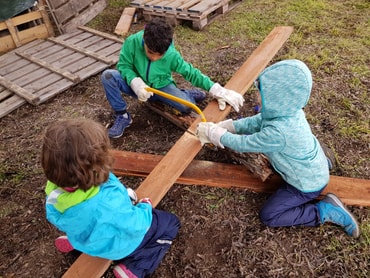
column 158, row 35
column 76, row 153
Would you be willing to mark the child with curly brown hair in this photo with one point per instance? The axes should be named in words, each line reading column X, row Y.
column 98, row 214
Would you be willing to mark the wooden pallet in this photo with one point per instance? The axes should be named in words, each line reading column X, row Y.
column 166, row 172
column 199, row 12
column 42, row 69
column 69, row 14
column 21, row 29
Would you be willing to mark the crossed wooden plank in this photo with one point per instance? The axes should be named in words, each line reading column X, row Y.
column 351, row 191
column 173, row 164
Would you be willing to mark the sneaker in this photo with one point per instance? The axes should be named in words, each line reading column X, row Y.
column 332, row 210
column 121, row 271
column 198, row 95
column 120, row 123
column 332, row 163
column 63, row 245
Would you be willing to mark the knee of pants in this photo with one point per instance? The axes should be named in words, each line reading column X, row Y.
column 106, row 75
column 267, row 216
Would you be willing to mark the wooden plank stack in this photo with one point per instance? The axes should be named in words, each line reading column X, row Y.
column 198, row 12
column 41, row 69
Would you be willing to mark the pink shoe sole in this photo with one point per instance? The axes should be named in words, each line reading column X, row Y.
column 121, row 271
column 63, row 245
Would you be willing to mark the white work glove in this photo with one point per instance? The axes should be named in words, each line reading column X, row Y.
column 210, row 133
column 228, row 125
column 224, row 96
column 132, row 195
column 138, row 86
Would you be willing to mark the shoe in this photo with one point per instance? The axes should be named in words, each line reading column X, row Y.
column 332, row 163
column 120, row 123
column 121, row 271
column 63, row 245
column 332, row 210
column 198, row 95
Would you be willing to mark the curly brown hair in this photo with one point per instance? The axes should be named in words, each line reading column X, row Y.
column 75, row 152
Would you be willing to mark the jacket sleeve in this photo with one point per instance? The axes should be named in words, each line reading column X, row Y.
column 268, row 139
column 125, row 63
column 248, row 125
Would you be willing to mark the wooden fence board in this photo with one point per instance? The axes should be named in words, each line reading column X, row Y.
column 58, row 56
column 171, row 166
column 17, row 76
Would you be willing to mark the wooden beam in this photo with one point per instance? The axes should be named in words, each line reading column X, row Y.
column 171, row 166
column 352, row 191
column 100, row 34
column 124, row 23
column 11, row 86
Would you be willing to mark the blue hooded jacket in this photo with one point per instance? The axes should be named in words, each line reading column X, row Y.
column 281, row 130
column 102, row 221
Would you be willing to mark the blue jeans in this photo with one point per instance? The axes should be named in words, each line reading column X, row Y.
column 114, row 85
column 290, row 207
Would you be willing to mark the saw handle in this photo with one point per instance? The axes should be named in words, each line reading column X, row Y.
column 179, row 100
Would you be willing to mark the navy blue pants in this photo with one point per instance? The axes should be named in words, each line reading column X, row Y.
column 290, row 207
column 146, row 258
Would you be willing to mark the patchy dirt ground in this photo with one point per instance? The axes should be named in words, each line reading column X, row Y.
column 221, row 235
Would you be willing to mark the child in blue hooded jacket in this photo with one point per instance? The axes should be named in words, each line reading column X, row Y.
column 282, row 133
column 87, row 202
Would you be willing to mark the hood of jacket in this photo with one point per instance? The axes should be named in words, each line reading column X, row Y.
column 285, row 88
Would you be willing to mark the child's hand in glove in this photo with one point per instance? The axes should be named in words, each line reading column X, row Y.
column 224, row 96
column 210, row 133
column 132, row 195
column 138, row 86
column 228, row 125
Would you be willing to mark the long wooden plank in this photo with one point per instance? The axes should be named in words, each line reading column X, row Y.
column 171, row 166
column 101, row 34
column 124, row 23
column 200, row 172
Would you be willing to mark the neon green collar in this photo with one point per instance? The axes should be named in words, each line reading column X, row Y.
column 63, row 200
